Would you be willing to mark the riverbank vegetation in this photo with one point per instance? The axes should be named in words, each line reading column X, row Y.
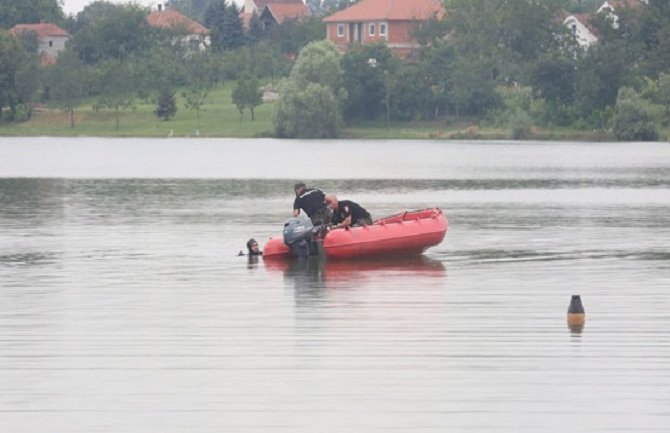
column 486, row 70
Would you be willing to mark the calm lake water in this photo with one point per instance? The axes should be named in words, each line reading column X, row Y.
column 123, row 306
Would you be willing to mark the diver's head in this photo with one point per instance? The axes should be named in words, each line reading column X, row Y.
column 253, row 248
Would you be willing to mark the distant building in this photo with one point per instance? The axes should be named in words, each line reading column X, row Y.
column 271, row 12
column 51, row 39
column 389, row 21
column 581, row 29
column 580, row 24
column 193, row 33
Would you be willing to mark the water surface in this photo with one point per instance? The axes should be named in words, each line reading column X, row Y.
column 124, row 308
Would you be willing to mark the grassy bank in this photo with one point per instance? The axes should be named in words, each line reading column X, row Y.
column 220, row 118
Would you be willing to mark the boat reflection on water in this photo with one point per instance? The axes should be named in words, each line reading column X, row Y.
column 316, row 272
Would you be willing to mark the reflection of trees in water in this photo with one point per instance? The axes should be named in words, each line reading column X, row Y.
column 32, row 201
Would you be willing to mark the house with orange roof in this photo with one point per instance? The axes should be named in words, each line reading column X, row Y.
column 51, row 39
column 273, row 12
column 192, row 33
column 390, row 21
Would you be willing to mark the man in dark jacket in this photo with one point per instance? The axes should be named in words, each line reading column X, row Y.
column 311, row 201
column 347, row 213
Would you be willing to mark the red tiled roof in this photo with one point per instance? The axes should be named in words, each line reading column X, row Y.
column 626, row 3
column 260, row 4
column 171, row 18
column 392, row 10
column 288, row 11
column 585, row 19
column 43, row 30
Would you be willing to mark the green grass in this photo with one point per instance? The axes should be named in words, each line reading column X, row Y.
column 218, row 118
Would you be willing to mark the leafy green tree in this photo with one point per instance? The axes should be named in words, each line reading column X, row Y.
column 632, row 120
column 653, row 35
column 256, row 31
column 116, row 86
column 601, row 73
column 664, row 91
column 69, row 82
column 366, row 75
column 410, row 97
column 310, row 111
column 553, row 79
column 310, row 101
column 166, row 106
column 472, row 89
column 14, row 12
column 223, row 19
column 120, row 32
column 91, row 13
column 200, row 81
column 510, row 34
column 191, row 8
column 247, row 94
column 18, row 76
column 291, row 36
column 437, row 68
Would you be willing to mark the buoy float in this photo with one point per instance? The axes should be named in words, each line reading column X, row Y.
column 576, row 315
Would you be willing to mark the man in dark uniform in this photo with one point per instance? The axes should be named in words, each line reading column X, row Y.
column 311, row 201
column 347, row 213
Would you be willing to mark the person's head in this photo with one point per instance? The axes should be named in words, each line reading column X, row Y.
column 299, row 188
column 331, row 201
column 252, row 247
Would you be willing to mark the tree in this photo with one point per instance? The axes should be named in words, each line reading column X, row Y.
column 14, row 12
column 310, row 111
column 632, row 120
column 509, row 34
column 366, row 73
column 601, row 73
column 437, row 67
column 223, row 19
column 247, row 94
column 116, row 87
column 553, row 79
column 291, row 36
column 256, row 31
column 472, row 89
column 664, row 91
column 18, row 76
column 166, row 106
column 310, row 102
column 68, row 82
column 120, row 32
column 199, row 82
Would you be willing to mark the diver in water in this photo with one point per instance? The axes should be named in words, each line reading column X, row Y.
column 253, row 249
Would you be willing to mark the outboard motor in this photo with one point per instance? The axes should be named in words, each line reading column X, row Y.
column 299, row 236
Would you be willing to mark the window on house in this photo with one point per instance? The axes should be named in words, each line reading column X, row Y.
column 51, row 43
column 340, row 30
column 372, row 29
column 382, row 29
column 574, row 30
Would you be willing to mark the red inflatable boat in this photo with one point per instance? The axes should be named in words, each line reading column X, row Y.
column 407, row 233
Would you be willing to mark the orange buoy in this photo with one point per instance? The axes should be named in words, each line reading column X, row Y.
column 576, row 315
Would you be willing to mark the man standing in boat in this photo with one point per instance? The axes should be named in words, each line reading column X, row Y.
column 347, row 213
column 311, row 201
